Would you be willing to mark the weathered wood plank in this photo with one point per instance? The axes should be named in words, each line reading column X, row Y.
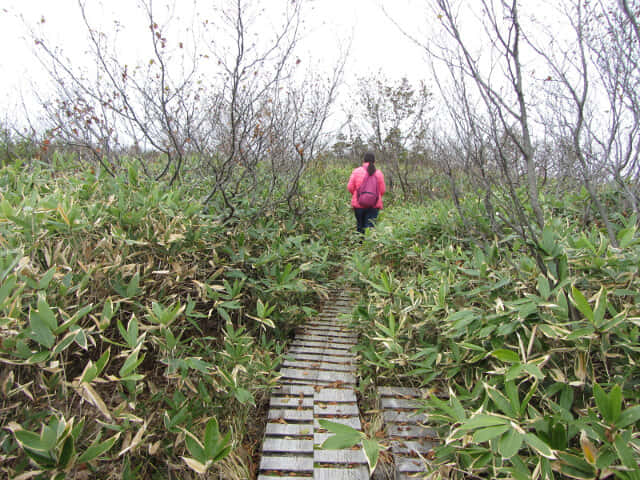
column 335, row 395
column 310, row 343
column 286, row 445
column 399, row 392
column 307, row 357
column 342, row 332
column 392, row 416
column 407, row 446
column 287, row 463
column 395, row 430
column 409, row 465
column 290, row 415
column 337, row 409
column 278, row 477
column 294, row 390
column 289, row 429
column 319, row 337
column 353, row 422
column 300, row 374
column 339, row 456
column 334, row 367
column 320, row 351
column 358, row 473
column 291, row 401
column 391, row 402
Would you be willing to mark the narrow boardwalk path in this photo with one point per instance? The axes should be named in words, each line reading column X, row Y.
column 318, row 380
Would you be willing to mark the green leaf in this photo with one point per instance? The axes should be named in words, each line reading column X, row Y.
column 539, row 446
column 482, row 420
column 97, row 449
column 244, row 396
column 505, row 355
column 629, row 417
column 543, row 287
column 340, row 428
column 342, row 440
column 581, row 303
column 32, row 441
column 510, row 443
column 485, row 434
column 625, row 236
column 624, row 451
column 372, row 452
column 40, row 331
column 602, row 402
column 501, row 401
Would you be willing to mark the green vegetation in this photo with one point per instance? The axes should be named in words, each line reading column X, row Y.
column 530, row 375
column 141, row 335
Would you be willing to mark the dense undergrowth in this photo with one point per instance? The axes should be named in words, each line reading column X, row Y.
column 529, row 375
column 140, row 336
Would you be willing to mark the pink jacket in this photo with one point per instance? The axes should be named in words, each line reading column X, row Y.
column 356, row 179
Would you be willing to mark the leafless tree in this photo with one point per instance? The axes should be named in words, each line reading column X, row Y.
column 210, row 100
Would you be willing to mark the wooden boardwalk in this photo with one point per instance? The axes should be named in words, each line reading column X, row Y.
column 317, row 381
column 411, row 442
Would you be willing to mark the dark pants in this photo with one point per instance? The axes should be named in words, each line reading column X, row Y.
column 365, row 217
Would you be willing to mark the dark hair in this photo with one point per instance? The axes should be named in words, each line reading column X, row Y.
column 370, row 157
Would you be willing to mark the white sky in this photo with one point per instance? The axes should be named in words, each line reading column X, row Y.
column 376, row 44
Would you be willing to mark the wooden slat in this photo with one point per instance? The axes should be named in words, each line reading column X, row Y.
column 285, row 445
column 399, row 392
column 319, row 351
column 289, row 429
column 335, row 395
column 334, row 367
column 395, row 430
column 300, row 374
column 294, row 390
column 290, row 415
column 325, row 338
column 287, row 463
column 392, row 416
column 408, row 446
column 337, row 409
column 358, row 473
column 409, row 465
column 391, row 402
column 307, row 357
column 291, row 402
column 310, row 343
column 353, row 422
column 339, row 456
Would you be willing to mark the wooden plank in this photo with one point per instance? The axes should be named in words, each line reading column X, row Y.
column 395, row 430
column 353, row 422
column 337, row 409
column 339, row 456
column 278, row 477
column 346, row 360
column 309, row 343
column 300, row 374
column 291, row 401
column 333, row 367
column 286, row 445
column 341, row 332
column 290, row 415
column 325, row 339
column 357, row 473
column 289, row 429
column 391, row 402
column 409, row 465
column 287, row 463
column 319, row 351
column 294, row 390
column 407, row 446
column 335, row 395
column 399, row 392
column 392, row 416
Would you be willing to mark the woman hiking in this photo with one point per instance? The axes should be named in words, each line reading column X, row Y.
column 367, row 187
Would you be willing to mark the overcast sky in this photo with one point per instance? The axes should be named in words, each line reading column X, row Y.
column 376, row 44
